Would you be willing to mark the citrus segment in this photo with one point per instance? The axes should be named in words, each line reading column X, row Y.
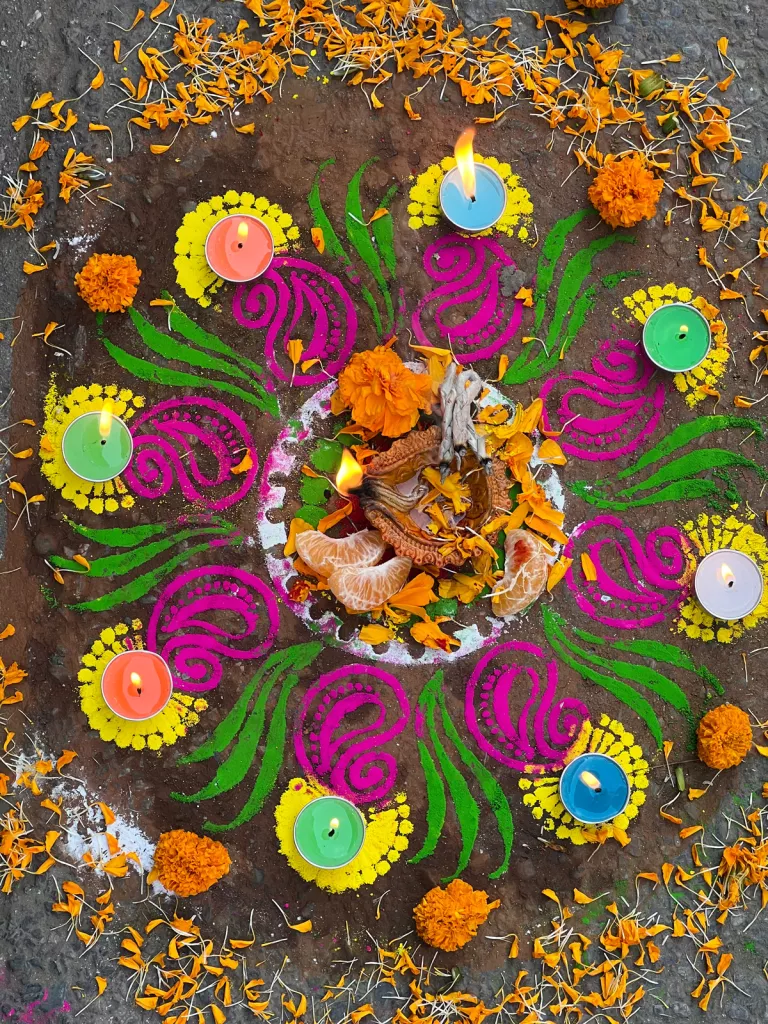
column 363, row 588
column 525, row 573
column 324, row 554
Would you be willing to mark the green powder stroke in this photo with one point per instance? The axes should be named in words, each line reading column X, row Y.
column 493, row 792
column 117, row 537
column 687, row 490
column 187, row 328
column 544, row 361
column 384, row 232
column 127, row 561
column 623, row 692
column 551, row 252
column 357, row 233
column 687, row 466
column 145, row 370
column 436, row 803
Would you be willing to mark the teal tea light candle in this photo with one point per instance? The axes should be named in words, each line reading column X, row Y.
column 97, row 446
column 594, row 788
column 329, row 832
column 472, row 195
column 676, row 337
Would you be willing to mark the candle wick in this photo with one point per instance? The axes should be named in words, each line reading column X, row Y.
column 473, row 199
column 730, row 583
column 331, row 832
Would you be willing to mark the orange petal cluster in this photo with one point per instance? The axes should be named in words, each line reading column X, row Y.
column 625, row 191
column 188, row 864
column 724, row 737
column 449, row 918
column 108, row 283
column 384, row 396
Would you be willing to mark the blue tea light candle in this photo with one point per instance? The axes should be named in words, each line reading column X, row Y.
column 472, row 195
column 594, row 788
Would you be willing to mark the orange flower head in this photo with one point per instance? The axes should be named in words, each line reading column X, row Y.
column 449, row 918
column 108, row 283
column 725, row 737
column 188, row 864
column 385, row 397
column 625, row 191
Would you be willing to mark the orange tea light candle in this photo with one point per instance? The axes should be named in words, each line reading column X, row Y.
column 239, row 247
column 136, row 685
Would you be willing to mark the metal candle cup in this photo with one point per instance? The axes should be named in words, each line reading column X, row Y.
column 676, row 337
column 239, row 247
column 329, row 832
column 594, row 788
column 729, row 584
column 476, row 214
column 93, row 456
column 136, row 685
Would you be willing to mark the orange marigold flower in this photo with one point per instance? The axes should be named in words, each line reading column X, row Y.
column 725, row 737
column 188, row 864
column 108, row 283
column 625, row 191
column 384, row 395
column 448, row 918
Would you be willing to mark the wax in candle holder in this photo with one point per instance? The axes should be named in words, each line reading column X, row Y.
column 594, row 788
column 676, row 337
column 97, row 447
column 136, row 685
column 729, row 584
column 329, row 832
column 239, row 247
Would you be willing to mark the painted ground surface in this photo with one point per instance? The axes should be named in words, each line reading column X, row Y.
column 452, row 749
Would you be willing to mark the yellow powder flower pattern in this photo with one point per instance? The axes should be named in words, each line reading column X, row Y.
column 59, row 411
column 643, row 302
column 542, row 794
column 386, row 838
column 192, row 271
column 162, row 729
column 709, row 533
column 424, row 207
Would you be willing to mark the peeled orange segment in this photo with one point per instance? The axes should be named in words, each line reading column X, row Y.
column 361, row 589
column 324, row 554
column 525, row 573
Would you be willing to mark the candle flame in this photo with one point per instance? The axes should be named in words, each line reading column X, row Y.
column 591, row 780
column 334, row 823
column 105, row 418
column 465, row 160
column 136, row 681
column 350, row 474
column 726, row 575
column 242, row 230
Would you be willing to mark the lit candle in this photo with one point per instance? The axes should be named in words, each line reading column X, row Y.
column 329, row 832
column 350, row 473
column 97, row 446
column 676, row 337
column 594, row 788
column 472, row 195
column 239, row 247
column 729, row 584
column 136, row 685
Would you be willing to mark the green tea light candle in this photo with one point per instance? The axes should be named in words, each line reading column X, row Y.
column 329, row 832
column 676, row 337
column 97, row 446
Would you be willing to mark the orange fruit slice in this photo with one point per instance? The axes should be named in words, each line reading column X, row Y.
column 525, row 573
column 361, row 589
column 324, row 554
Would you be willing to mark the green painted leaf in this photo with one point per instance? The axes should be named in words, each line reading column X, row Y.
column 314, row 491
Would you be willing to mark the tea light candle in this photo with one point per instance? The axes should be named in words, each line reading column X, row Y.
column 472, row 195
column 136, row 685
column 676, row 337
column 594, row 788
column 329, row 832
column 729, row 584
column 239, row 247
column 97, row 446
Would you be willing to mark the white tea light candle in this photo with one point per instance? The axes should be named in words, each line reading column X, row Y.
column 729, row 584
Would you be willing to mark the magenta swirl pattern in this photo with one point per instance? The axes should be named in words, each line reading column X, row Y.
column 297, row 299
column 638, row 583
column 191, row 624
column 539, row 735
column 346, row 719
column 193, row 443
column 467, row 311
column 610, row 411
